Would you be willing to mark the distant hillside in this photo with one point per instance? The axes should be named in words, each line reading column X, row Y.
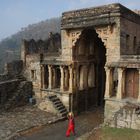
column 10, row 47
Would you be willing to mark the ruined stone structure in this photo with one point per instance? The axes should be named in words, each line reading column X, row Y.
column 14, row 89
column 97, row 58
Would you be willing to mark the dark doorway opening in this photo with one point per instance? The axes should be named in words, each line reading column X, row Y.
column 46, row 77
column 90, row 52
column 58, row 77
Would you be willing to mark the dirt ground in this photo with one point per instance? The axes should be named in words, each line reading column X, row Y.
column 84, row 123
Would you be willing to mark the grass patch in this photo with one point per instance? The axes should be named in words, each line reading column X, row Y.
column 108, row 133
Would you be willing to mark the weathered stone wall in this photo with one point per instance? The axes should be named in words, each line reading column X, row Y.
column 66, row 45
column 122, row 114
column 33, row 64
column 130, row 37
column 36, row 52
column 6, row 89
column 14, row 68
column 21, row 95
column 14, row 93
column 50, row 45
column 4, row 77
column 12, row 89
column 111, row 37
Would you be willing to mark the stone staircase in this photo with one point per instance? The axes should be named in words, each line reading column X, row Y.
column 58, row 105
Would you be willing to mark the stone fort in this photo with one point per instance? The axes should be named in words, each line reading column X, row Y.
column 94, row 62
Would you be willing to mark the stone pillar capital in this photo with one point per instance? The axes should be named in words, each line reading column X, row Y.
column 121, row 69
column 62, row 67
column 50, row 66
column 108, row 68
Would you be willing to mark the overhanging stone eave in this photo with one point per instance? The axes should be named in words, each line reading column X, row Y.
column 133, row 64
column 88, row 25
column 52, row 62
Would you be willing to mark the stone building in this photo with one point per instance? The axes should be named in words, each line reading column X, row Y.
column 96, row 61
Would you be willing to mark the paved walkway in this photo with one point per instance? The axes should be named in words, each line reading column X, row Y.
column 84, row 123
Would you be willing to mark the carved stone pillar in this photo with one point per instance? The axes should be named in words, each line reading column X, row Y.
column 71, row 79
column 62, row 78
column 66, row 79
column 121, row 80
column 86, row 77
column 42, row 76
column 139, row 86
column 50, row 76
column 54, row 77
column 108, row 88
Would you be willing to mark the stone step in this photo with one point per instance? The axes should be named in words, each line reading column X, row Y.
column 60, row 107
column 57, row 102
column 64, row 114
column 62, row 110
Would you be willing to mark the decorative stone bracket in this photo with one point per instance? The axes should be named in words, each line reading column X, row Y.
column 104, row 33
column 75, row 35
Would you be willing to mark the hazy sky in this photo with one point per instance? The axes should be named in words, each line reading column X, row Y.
column 15, row 14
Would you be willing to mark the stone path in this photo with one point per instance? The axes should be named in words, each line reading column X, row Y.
column 22, row 118
column 84, row 123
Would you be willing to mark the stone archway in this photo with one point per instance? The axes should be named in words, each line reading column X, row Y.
column 89, row 51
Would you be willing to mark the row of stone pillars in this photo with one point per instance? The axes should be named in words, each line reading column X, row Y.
column 66, row 74
column 121, row 83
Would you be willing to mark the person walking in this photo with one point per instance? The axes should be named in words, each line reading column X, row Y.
column 71, row 124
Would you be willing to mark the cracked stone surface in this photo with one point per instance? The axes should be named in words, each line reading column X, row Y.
column 22, row 118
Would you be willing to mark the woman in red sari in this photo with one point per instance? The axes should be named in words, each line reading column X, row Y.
column 71, row 125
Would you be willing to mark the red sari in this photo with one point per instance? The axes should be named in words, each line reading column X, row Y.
column 71, row 127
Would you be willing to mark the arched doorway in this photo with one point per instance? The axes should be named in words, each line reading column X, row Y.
column 90, row 53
